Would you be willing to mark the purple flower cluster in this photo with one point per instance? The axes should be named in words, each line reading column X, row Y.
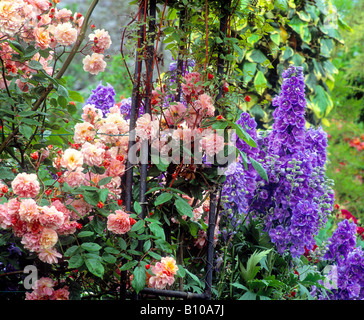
column 103, row 97
column 346, row 277
column 342, row 241
column 234, row 200
column 294, row 204
column 125, row 107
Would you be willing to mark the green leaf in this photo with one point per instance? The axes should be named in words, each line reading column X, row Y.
column 109, row 258
column 137, row 207
column 243, row 135
column 91, row 246
column 252, row 269
column 260, row 82
column 157, row 230
column 95, row 267
column 183, row 207
column 16, row 46
column 104, row 181
column 139, row 279
column 161, row 163
column 84, row 234
column 139, row 225
column 75, row 261
column 36, row 65
column 162, row 198
column 128, row 265
column 62, row 91
column 26, row 131
column 71, row 250
column 103, row 193
column 256, row 56
column 258, row 167
column 321, row 103
column 75, row 96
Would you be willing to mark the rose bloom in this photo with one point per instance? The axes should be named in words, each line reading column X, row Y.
column 190, row 88
column 63, row 15
column 50, row 255
column 212, row 144
column 108, row 133
column 84, row 131
column 103, row 40
column 91, row 114
column 118, row 119
column 160, row 281
column 28, row 210
column 175, row 113
column 72, row 159
column 81, row 206
column 93, row 155
column 48, row 238
column 50, row 217
column 44, row 286
column 74, row 178
column 42, row 38
column 30, row 241
column 119, row 222
column 145, row 127
column 169, row 266
column 94, row 63
column 65, row 34
column 26, row 185
column 205, row 105
column 60, row 294
column 5, row 217
column 116, row 168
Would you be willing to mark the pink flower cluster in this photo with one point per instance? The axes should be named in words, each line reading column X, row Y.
column 163, row 273
column 37, row 226
column 101, row 41
column 41, row 23
column 101, row 142
column 43, row 289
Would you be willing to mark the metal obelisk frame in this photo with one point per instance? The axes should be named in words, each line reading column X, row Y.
column 149, row 56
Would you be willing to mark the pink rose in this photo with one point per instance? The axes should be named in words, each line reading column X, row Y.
column 94, row 63
column 65, row 34
column 119, row 222
column 26, row 185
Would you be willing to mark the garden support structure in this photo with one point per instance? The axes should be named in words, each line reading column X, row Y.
column 149, row 54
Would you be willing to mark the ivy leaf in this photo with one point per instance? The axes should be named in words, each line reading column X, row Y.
column 260, row 82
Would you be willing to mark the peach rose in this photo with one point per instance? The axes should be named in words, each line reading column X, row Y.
column 26, row 185
column 119, row 222
column 65, row 34
column 72, row 159
column 94, row 63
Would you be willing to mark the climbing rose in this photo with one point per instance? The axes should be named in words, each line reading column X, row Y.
column 26, row 185
column 119, row 222
column 94, row 63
